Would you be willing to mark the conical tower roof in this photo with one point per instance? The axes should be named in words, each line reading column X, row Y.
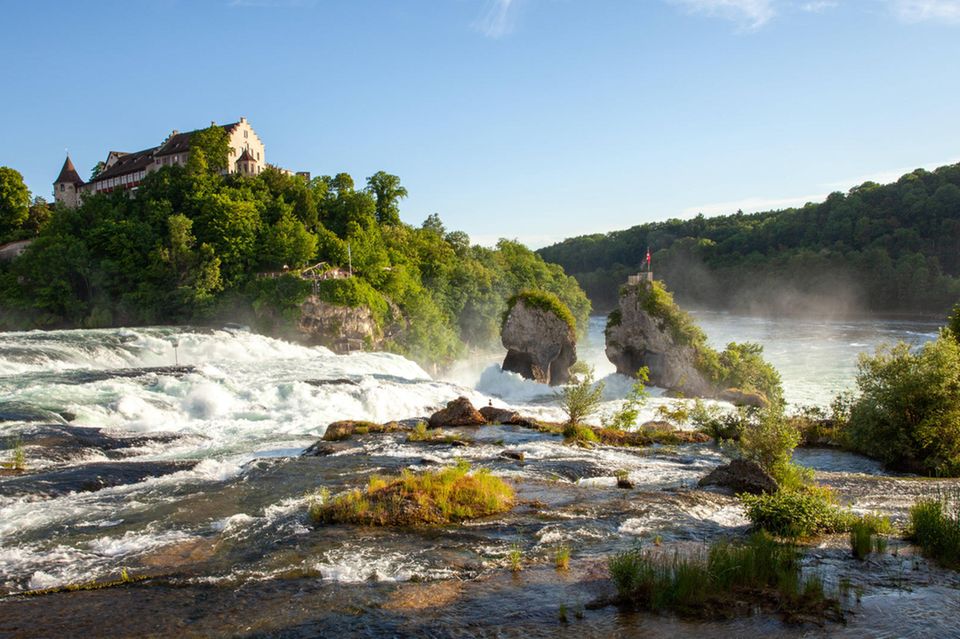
column 68, row 174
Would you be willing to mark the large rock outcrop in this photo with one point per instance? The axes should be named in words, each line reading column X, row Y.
column 648, row 330
column 541, row 344
column 339, row 328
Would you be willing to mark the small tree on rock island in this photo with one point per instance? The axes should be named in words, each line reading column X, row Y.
column 582, row 397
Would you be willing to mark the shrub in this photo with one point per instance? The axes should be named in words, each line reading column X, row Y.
column 625, row 417
column 721, row 425
column 430, row 498
column 797, row 513
column 769, row 439
column 907, row 413
column 935, row 527
column 562, row 558
column 761, row 570
column 579, row 434
column 582, row 397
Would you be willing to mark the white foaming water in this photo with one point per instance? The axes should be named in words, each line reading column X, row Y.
column 250, row 396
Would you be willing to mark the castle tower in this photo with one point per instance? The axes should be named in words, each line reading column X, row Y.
column 247, row 164
column 66, row 188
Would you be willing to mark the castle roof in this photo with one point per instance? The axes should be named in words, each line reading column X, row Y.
column 68, row 174
column 246, row 156
column 127, row 163
column 180, row 142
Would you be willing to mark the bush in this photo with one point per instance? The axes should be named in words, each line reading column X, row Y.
column 769, row 439
column 626, row 416
column 582, row 397
column 935, row 527
column 797, row 513
column 431, row 498
column 907, row 413
column 760, row 571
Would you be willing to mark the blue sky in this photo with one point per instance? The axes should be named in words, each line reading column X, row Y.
column 529, row 119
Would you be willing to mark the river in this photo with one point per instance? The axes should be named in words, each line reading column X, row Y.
column 197, row 481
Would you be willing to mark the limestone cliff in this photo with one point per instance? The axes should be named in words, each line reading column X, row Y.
column 339, row 328
column 540, row 339
column 648, row 329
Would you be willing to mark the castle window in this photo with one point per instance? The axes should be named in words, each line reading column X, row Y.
column 63, row 187
column 244, row 134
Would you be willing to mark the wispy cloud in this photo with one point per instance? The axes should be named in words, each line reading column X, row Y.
column 748, row 14
column 818, row 6
column 497, row 18
column 946, row 11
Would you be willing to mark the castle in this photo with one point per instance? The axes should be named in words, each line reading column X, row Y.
column 125, row 171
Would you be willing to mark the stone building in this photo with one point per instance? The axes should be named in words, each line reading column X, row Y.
column 124, row 171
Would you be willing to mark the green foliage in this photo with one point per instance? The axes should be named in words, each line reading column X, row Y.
column 625, row 416
column 896, row 246
column 388, row 192
column 18, row 457
column 209, row 149
column 581, row 399
column 194, row 245
column 907, row 412
column 739, row 366
column 353, row 292
column 438, row 497
column 561, row 558
column 515, row 558
column 769, row 439
column 953, row 323
column 543, row 301
column 865, row 535
column 761, row 570
column 797, row 513
column 935, row 527
column 14, row 201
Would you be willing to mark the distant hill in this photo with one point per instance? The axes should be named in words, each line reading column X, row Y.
column 891, row 248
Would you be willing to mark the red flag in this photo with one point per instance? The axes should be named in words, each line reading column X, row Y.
column 648, row 257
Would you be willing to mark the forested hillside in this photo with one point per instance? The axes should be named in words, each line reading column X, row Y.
column 891, row 248
column 194, row 245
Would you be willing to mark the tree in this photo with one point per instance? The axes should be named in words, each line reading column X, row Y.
column 388, row 191
column 14, row 201
column 97, row 170
column 215, row 144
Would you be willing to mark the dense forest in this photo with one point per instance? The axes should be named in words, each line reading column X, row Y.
column 196, row 245
column 891, row 248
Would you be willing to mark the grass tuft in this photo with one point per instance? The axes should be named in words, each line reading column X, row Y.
column 935, row 527
column 722, row 578
column 438, row 497
column 515, row 558
column 562, row 558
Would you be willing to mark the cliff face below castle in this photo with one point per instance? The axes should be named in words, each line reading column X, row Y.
column 643, row 332
column 339, row 328
column 540, row 345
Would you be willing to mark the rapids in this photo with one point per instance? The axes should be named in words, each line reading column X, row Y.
column 196, row 478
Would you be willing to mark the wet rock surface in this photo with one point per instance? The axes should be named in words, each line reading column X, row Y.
column 741, row 476
column 87, row 478
column 540, row 346
column 458, row 412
